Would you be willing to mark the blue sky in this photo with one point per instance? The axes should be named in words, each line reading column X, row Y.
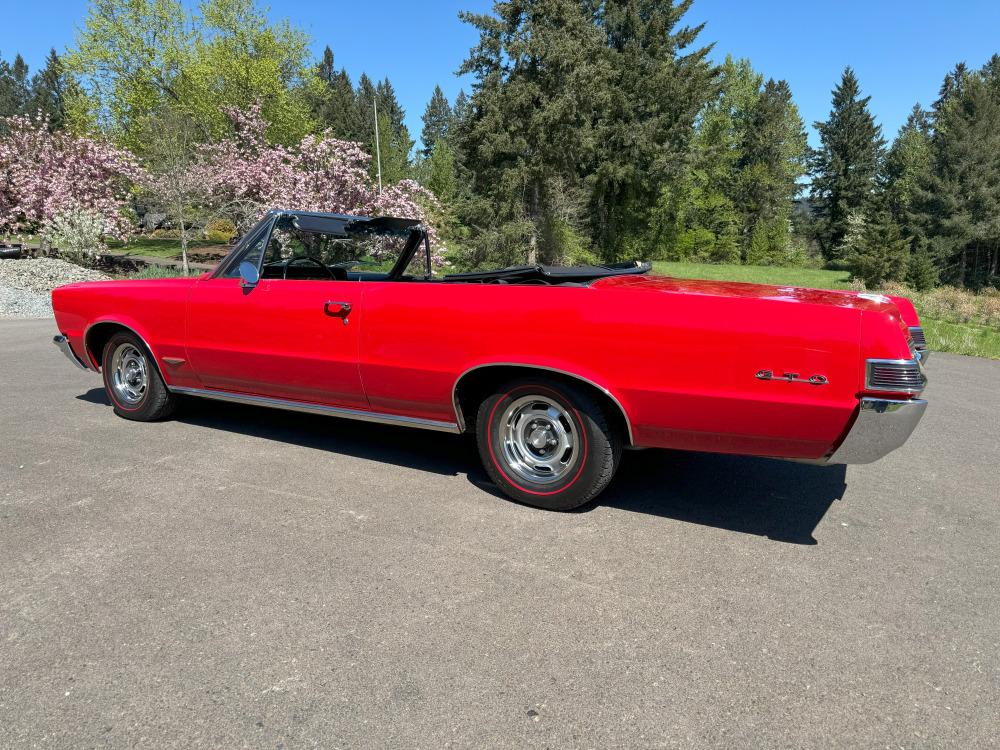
column 900, row 49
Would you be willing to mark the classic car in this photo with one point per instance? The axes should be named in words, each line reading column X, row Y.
column 554, row 370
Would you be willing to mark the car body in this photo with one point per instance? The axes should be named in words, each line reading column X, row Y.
column 783, row 372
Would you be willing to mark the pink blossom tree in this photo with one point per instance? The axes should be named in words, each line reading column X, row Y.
column 248, row 176
column 44, row 174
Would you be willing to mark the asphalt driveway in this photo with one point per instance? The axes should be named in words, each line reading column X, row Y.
column 243, row 577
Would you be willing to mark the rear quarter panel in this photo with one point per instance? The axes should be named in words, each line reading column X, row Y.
column 681, row 364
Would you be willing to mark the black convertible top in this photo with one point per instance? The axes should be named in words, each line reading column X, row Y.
column 551, row 274
column 343, row 225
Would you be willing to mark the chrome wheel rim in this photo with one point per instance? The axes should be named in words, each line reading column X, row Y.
column 129, row 374
column 538, row 439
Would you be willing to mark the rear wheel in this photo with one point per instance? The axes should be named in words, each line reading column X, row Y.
column 547, row 443
column 132, row 380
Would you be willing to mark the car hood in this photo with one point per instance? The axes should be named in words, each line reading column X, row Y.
column 122, row 284
column 737, row 289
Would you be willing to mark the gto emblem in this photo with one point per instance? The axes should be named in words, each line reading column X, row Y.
column 791, row 377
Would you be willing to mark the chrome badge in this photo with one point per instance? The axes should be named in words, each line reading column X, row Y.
column 791, row 377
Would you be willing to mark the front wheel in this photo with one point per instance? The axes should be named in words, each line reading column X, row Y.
column 132, row 381
column 547, row 443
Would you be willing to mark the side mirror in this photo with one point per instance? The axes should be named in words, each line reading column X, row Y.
column 248, row 275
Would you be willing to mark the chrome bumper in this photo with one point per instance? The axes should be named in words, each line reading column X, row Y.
column 63, row 343
column 881, row 427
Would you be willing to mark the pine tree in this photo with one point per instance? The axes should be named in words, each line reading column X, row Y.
column 459, row 118
column 962, row 200
column 708, row 226
column 437, row 117
column 393, row 151
column 908, row 166
column 952, row 86
column 748, row 154
column 335, row 107
column 875, row 251
column 772, row 159
column 922, row 274
column 363, row 110
column 540, row 80
column 6, row 90
column 657, row 82
column 439, row 171
column 13, row 87
column 389, row 105
column 845, row 166
column 461, row 109
column 50, row 88
column 325, row 69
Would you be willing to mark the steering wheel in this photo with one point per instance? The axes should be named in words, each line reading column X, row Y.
column 306, row 259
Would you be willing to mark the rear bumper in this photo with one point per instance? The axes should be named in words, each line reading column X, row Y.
column 63, row 343
column 882, row 426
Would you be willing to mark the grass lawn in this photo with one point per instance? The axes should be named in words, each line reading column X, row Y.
column 962, row 338
column 164, row 248
column 815, row 278
column 154, row 247
column 942, row 335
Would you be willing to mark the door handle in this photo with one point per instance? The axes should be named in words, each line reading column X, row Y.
column 338, row 310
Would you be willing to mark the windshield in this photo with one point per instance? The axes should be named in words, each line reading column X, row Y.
column 333, row 244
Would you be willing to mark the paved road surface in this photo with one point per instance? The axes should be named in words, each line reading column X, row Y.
column 242, row 577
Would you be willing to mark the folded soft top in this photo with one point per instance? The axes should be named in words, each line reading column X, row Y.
column 553, row 274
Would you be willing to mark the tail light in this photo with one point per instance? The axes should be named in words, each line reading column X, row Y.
column 920, row 342
column 894, row 375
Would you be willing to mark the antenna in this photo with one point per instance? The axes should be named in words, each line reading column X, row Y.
column 378, row 148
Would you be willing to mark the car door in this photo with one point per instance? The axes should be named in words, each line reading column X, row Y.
column 282, row 338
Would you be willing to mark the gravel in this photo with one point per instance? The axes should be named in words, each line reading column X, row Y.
column 26, row 285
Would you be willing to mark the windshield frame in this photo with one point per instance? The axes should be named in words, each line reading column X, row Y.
column 417, row 236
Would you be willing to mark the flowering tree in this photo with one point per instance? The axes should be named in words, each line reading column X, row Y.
column 77, row 231
column 45, row 174
column 248, row 176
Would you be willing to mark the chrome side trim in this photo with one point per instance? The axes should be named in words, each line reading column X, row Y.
column 460, row 418
column 329, row 411
column 882, row 426
column 63, row 343
column 86, row 344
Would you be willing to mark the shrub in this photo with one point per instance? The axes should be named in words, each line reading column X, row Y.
column 155, row 272
column 76, row 232
column 219, row 230
column 952, row 304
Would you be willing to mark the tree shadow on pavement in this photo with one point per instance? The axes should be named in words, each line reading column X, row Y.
column 781, row 500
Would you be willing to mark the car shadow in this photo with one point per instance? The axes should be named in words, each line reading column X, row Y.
column 781, row 500
column 435, row 452
column 95, row 396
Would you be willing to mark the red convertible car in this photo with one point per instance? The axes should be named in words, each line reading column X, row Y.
column 555, row 370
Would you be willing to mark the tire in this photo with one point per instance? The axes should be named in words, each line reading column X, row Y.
column 547, row 443
column 132, row 380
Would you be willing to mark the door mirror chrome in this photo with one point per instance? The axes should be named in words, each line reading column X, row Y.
column 249, row 276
